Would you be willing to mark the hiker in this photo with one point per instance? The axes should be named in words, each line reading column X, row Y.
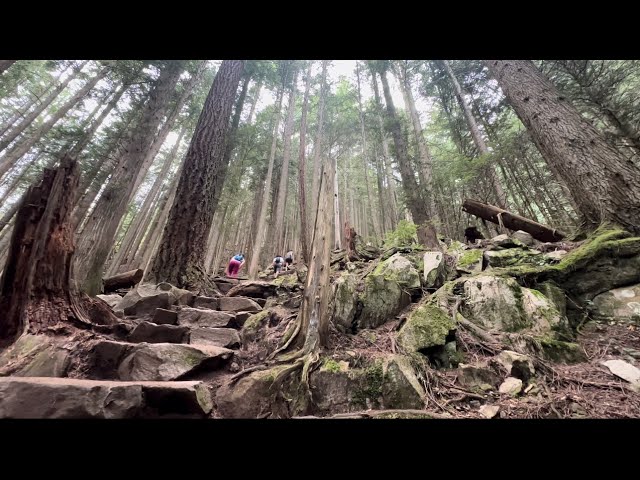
column 288, row 258
column 277, row 265
column 235, row 264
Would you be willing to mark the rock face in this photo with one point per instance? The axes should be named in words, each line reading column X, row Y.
column 238, row 304
column 34, row 356
column 387, row 290
column 433, row 269
column 620, row 303
column 72, row 398
column 500, row 303
column 204, row 318
column 345, row 300
column 427, row 326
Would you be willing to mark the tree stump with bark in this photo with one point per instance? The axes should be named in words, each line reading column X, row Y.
column 36, row 293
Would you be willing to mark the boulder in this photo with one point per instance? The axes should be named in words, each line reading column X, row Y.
column 112, row 300
column 218, row 337
column 253, row 325
column 238, row 304
column 426, row 327
column 152, row 333
column 146, row 297
column 249, row 397
column 254, row 289
column 624, row 370
column 74, row 398
column 516, row 364
column 387, row 291
column 345, row 300
column 619, row 303
column 489, row 411
column 147, row 305
column 165, row 317
column 204, row 317
column 35, row 356
column 477, row 377
column 470, row 261
column 434, row 271
column 240, row 319
column 401, row 388
column 511, row 386
column 556, row 255
column 523, row 237
column 513, row 256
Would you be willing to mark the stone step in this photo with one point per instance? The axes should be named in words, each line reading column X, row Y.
column 218, row 337
column 152, row 333
column 204, row 317
column 45, row 397
column 111, row 360
column 238, row 304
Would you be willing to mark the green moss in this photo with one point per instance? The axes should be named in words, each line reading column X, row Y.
column 254, row 322
column 427, row 326
column 559, row 351
column 371, row 384
column 470, row 257
column 603, row 238
column 331, row 365
column 538, row 294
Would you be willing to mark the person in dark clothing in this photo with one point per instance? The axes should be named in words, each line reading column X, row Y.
column 288, row 258
column 278, row 263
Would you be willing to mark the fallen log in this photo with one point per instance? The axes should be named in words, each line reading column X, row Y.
column 512, row 221
column 122, row 280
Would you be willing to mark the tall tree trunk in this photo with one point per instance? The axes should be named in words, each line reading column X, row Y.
column 386, row 158
column 31, row 116
column 260, row 226
column 376, row 227
column 481, row 145
column 302, row 200
column 280, row 207
column 337, row 237
column 417, row 205
column 14, row 154
column 317, row 144
column 180, row 260
column 100, row 230
column 603, row 183
column 5, row 64
column 141, row 221
column 381, row 201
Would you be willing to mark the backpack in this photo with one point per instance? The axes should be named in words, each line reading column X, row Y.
column 278, row 260
column 238, row 258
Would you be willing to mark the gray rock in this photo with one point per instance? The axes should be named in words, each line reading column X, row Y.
column 344, row 302
column 147, row 305
column 523, row 237
column 516, row 364
column 475, row 377
column 111, row 300
column 165, row 317
column 219, row 337
column 204, row 317
column 400, row 387
column 489, row 411
column 433, row 269
column 511, row 386
column 556, row 255
column 624, row 370
column 74, row 398
column 238, row 304
column 206, row 302
column 167, row 361
column 35, row 356
column 152, row 333
column 240, row 319
column 619, row 303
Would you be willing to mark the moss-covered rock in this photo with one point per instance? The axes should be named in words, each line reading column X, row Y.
column 513, row 256
column 470, row 261
column 562, row 352
column 387, row 291
column 345, row 301
column 427, row 326
column 400, row 385
column 619, row 304
column 253, row 325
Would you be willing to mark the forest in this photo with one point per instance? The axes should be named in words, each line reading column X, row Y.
column 319, row 238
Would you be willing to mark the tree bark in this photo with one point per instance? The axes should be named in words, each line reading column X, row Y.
column 417, row 206
column 35, row 289
column 280, row 207
column 100, row 229
column 512, row 221
column 260, row 228
column 604, row 184
column 180, row 259
column 302, row 199
column 317, row 144
column 14, row 154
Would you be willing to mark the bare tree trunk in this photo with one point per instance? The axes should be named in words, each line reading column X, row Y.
column 278, row 240
column 603, row 183
column 337, row 237
column 260, row 229
column 13, row 155
column 100, row 230
column 180, row 260
column 302, row 200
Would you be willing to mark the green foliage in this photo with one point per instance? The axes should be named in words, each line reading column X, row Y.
column 403, row 236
